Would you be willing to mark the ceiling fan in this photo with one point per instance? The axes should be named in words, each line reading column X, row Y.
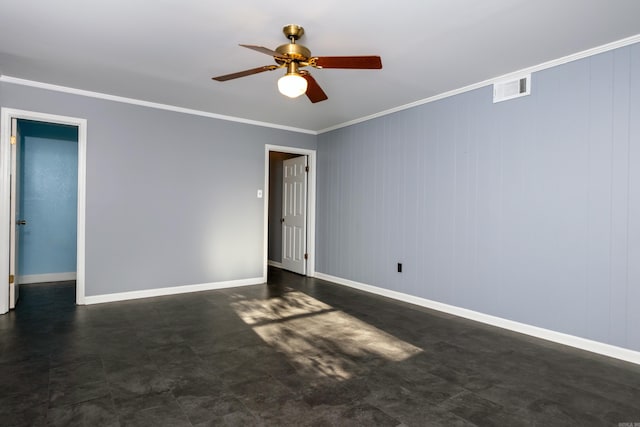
column 296, row 56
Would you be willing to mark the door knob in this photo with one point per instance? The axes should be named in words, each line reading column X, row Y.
column 21, row 222
column 282, row 220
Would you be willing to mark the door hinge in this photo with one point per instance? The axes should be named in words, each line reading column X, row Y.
column 11, row 279
column 306, row 168
column 306, row 256
column 13, row 140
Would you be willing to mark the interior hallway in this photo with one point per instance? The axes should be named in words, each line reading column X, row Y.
column 298, row 351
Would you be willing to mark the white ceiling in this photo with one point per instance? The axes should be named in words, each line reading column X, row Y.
column 166, row 51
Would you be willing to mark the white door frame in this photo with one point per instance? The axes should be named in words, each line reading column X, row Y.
column 6, row 114
column 311, row 205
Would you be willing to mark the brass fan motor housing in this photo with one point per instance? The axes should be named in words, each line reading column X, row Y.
column 294, row 51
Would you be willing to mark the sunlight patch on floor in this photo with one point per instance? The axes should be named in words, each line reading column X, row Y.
column 319, row 340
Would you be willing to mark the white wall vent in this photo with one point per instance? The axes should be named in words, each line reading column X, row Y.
column 510, row 89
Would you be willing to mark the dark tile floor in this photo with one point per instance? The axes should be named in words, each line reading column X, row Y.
column 297, row 351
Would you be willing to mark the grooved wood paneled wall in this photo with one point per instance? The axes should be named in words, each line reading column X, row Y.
column 527, row 209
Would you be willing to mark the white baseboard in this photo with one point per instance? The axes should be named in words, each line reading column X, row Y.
column 546, row 334
column 48, row 277
column 174, row 290
column 274, row 264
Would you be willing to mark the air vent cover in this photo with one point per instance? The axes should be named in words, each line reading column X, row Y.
column 510, row 89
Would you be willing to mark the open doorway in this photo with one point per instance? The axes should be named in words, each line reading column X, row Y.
column 276, row 219
column 52, row 145
column 48, row 199
column 276, row 158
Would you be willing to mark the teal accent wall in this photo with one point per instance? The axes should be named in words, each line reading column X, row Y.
column 48, row 198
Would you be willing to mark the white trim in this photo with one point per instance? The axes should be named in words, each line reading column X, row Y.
column 47, row 277
column 174, row 290
column 275, row 264
column 5, row 212
column 311, row 207
column 546, row 334
column 99, row 95
column 545, row 65
column 6, row 114
column 81, row 216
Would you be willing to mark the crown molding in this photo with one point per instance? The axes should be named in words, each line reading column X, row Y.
column 530, row 70
column 167, row 107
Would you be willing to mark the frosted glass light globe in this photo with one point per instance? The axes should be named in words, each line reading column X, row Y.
column 292, row 85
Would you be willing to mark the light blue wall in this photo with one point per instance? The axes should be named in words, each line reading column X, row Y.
column 528, row 209
column 171, row 198
column 48, row 198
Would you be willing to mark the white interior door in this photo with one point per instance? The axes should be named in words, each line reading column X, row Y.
column 15, row 221
column 294, row 214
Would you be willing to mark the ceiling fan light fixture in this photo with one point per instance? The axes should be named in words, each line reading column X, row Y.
column 294, row 56
column 292, row 85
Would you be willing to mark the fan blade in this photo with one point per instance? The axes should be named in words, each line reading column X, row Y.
column 264, row 50
column 356, row 62
column 314, row 91
column 245, row 73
